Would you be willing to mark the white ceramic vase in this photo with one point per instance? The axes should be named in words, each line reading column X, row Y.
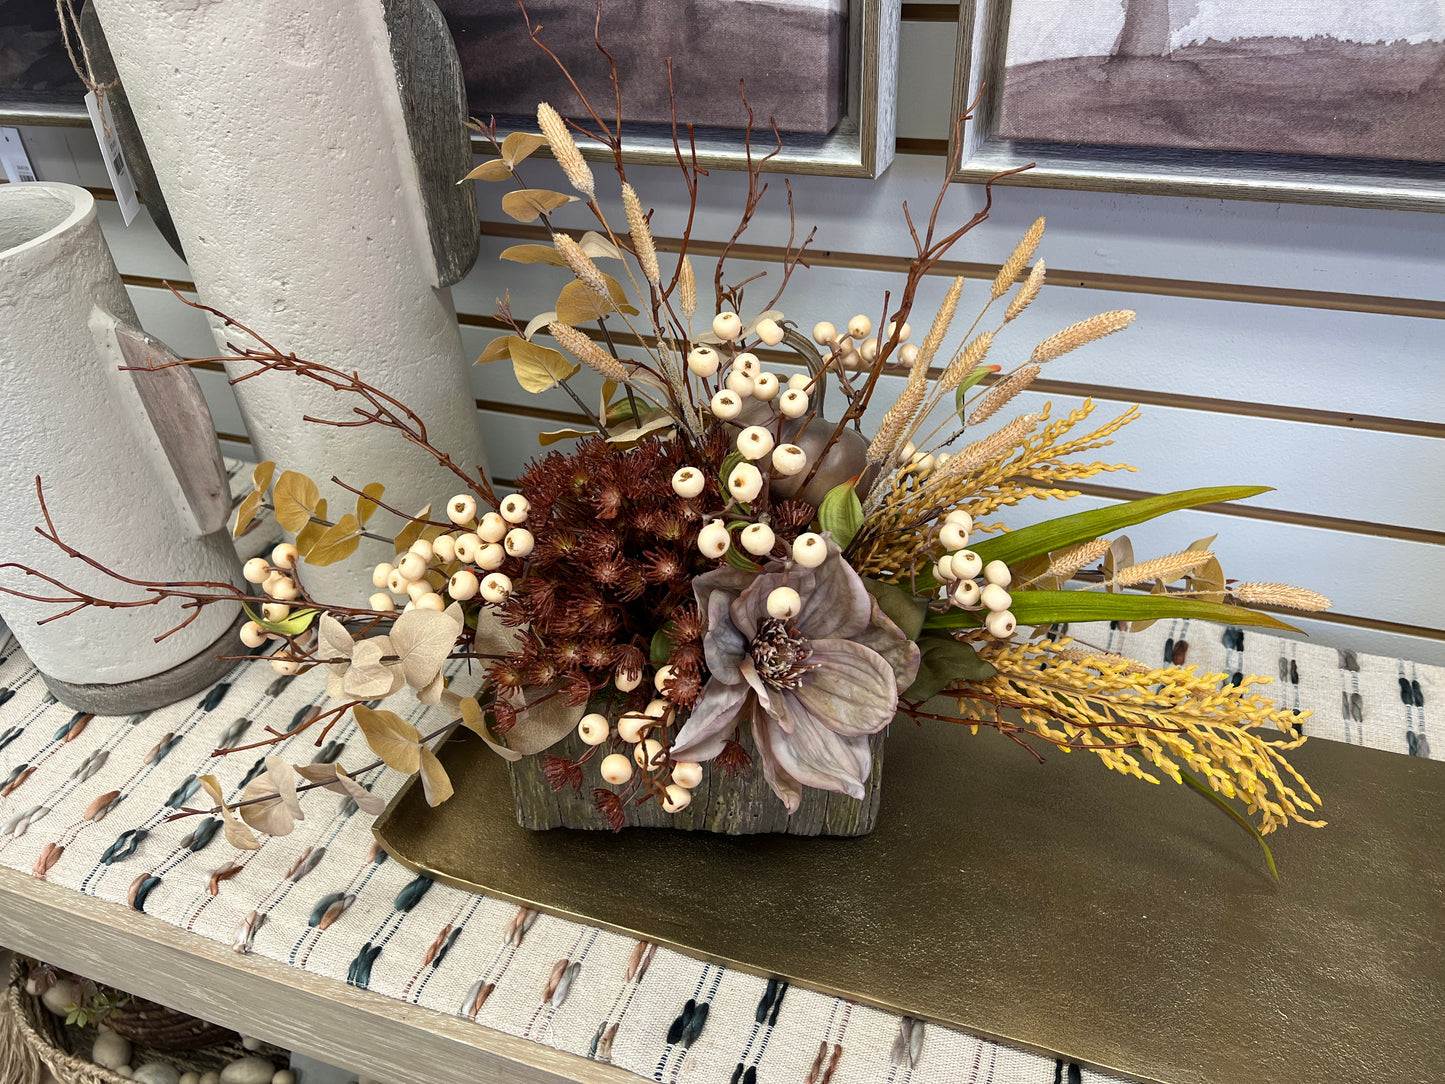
column 309, row 154
column 128, row 475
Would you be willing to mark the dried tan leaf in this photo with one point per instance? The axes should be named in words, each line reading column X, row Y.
column 497, row 349
column 576, row 304
column 538, row 368
column 262, row 475
column 553, row 436
column 423, row 639
column 333, row 778
column 541, row 320
column 237, row 834
column 530, row 204
column 390, row 737
column 366, row 505
column 533, row 254
column 413, row 530
column 296, row 499
column 246, row 512
column 519, row 146
column 495, row 170
column 337, row 543
column 435, row 783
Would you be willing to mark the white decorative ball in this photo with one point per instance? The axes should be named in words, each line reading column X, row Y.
column 1000, row 624
column 492, row 527
column 725, row 406
column 765, row 387
column 747, row 362
column 285, row 555
column 615, row 769
column 467, row 546
column 714, row 540
column 962, row 518
column 464, row 585
column 727, row 325
column 769, row 331
column 633, row 725
column 462, row 509
column 810, row 550
column 412, row 566
column 444, row 547
column 703, row 361
column 490, row 557
column 757, row 539
column 998, row 572
column 745, row 482
column 496, row 587
column 755, row 442
column 515, row 508
column 967, row 564
column 256, row 570
column 687, row 773
column 519, row 542
column 285, row 667
column 793, row 403
column 649, row 753
column 824, row 333
column 678, row 798
column 688, row 482
column 593, row 729
column 859, row 326
column 903, row 335
column 788, row 460
column 784, row 603
column 275, row 611
column 253, row 635
column 996, row 598
column 965, row 595
column 740, row 384
column 626, row 680
column 953, row 536
column 382, row 601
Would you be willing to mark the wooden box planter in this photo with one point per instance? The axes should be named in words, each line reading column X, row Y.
column 738, row 807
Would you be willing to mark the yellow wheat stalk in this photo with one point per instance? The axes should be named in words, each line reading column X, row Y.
column 687, row 290
column 1027, row 292
column 641, row 232
column 1085, row 331
column 587, row 272
column 891, row 428
column 1281, row 594
column 934, row 339
column 1166, row 569
column 964, row 362
column 564, row 149
column 1018, row 260
column 981, row 451
column 1076, row 557
column 1003, row 393
column 588, row 352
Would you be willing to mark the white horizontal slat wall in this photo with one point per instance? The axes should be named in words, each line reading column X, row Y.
column 1291, row 346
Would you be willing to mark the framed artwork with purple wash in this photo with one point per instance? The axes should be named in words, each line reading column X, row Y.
column 1304, row 101
column 823, row 70
column 38, row 84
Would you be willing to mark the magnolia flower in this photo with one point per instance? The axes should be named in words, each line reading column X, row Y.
column 412, row 653
column 813, row 688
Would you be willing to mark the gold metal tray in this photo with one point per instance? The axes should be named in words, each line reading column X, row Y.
column 1057, row 907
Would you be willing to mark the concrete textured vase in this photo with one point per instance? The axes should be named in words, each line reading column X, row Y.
column 740, row 806
column 129, row 462
column 309, row 155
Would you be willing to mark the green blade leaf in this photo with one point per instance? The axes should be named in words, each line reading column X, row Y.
column 1048, row 607
column 966, row 384
column 1234, row 814
column 1064, row 531
column 900, row 606
column 293, row 625
column 664, row 642
column 841, row 513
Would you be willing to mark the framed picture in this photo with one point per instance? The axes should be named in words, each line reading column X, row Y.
column 1299, row 101
column 825, row 69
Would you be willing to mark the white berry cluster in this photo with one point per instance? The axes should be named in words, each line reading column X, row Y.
column 961, row 571
column 276, row 578
column 635, row 728
column 427, row 574
column 745, row 378
column 857, row 344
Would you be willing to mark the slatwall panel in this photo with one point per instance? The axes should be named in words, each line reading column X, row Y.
column 1297, row 347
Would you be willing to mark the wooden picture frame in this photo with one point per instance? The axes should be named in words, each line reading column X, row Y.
column 1284, row 178
column 861, row 145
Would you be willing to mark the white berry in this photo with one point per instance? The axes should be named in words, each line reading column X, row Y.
column 747, row 362
column 627, row 680
column 464, row 585
column 285, row 555
column 490, row 557
column 649, row 753
column 996, row 598
column 416, row 588
column 633, row 725
column 769, row 331
column 801, row 381
column 962, row 518
column 902, row 335
column 444, row 547
column 687, row 773
column 285, row 667
column 275, row 611
column 953, row 536
column 687, row 482
column 396, row 582
column 1000, row 624
column 739, row 384
column 783, row 603
column 703, row 361
column 943, row 569
column 256, row 570
column 492, row 527
column 615, row 769
column 788, row 460
column 662, row 677
column 908, row 354
column 810, row 550
column 283, row 587
column 793, row 403
column 757, row 539
column 745, row 482
column 714, row 540
column 382, row 601
column 515, row 508
column 726, row 405
column 859, row 326
column 967, row 564
column 727, row 325
column 412, row 566
column 593, row 729
column 678, row 798
column 755, row 442
column 431, row 601
column 466, row 547
column 869, row 350
column 765, row 387
column 658, row 708
column 965, row 595
column 519, row 542
column 824, row 333
column 252, row 634
column 423, row 549
column 997, row 572
column 496, row 587
column 462, row 509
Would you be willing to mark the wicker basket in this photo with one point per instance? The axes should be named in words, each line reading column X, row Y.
column 33, row 1039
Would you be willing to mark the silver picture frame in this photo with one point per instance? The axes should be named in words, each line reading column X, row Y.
column 1280, row 178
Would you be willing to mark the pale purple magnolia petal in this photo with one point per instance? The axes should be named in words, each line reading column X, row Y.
column 788, row 789
column 852, row 691
column 723, row 645
column 727, row 580
column 886, row 638
column 817, row 757
column 838, row 605
column 748, row 670
column 712, row 722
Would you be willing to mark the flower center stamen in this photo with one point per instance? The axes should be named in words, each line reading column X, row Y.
column 780, row 653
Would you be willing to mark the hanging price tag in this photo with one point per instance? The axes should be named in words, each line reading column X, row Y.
column 13, row 158
column 115, row 165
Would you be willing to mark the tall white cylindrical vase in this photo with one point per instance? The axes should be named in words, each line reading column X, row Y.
column 309, row 154
column 131, row 473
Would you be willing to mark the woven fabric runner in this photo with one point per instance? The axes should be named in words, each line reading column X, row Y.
column 328, row 900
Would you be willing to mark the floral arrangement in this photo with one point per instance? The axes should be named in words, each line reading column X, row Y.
column 770, row 539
